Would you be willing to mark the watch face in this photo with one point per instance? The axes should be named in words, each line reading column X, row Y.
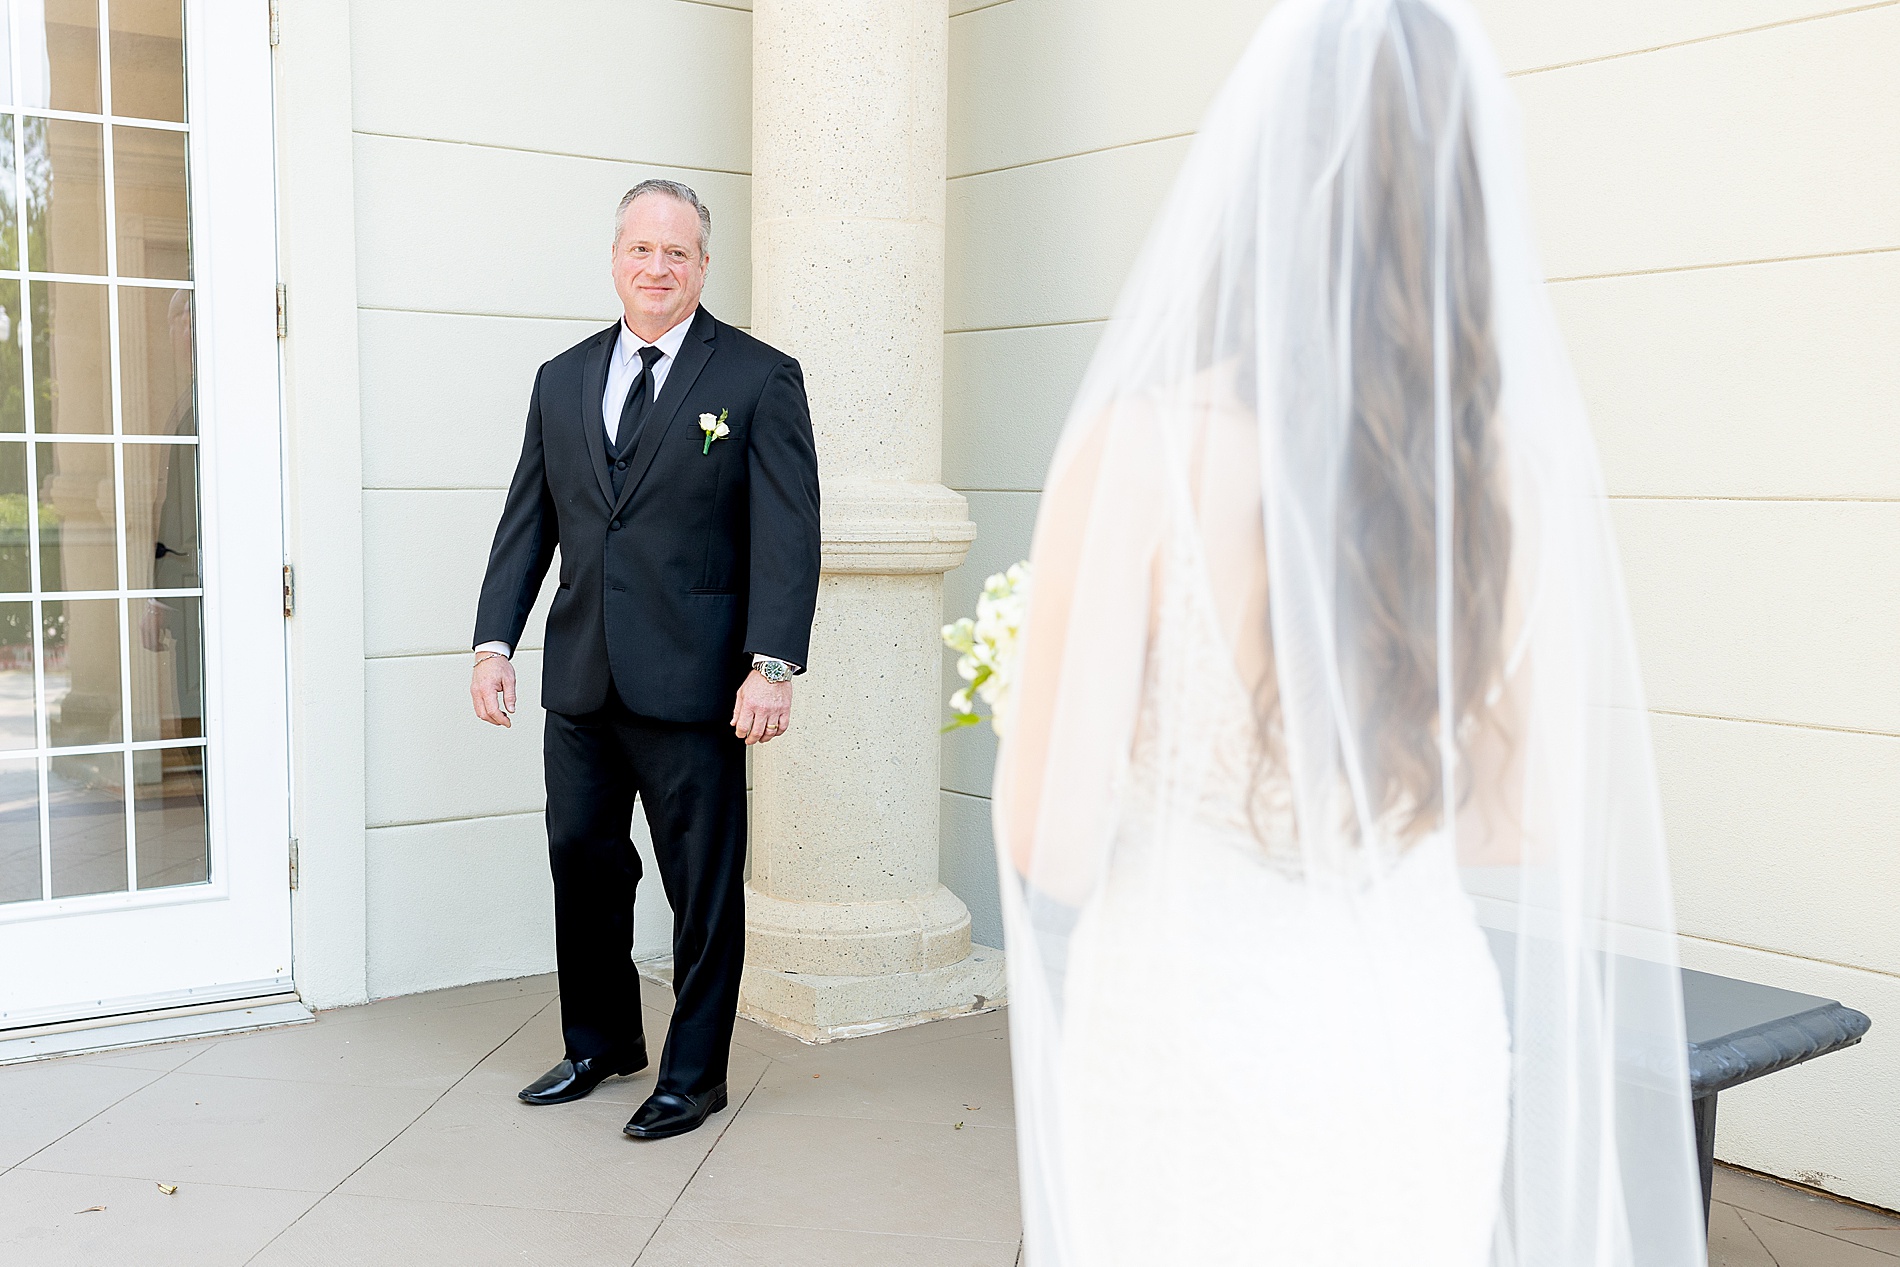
column 774, row 670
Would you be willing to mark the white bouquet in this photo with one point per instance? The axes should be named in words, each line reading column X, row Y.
column 987, row 649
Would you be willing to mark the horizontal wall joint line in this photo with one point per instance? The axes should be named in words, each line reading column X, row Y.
column 523, row 149
column 1030, row 325
column 526, row 648
column 1785, row 725
column 1703, row 268
column 968, row 796
column 1059, row 158
column 482, row 312
column 1707, row 39
column 463, row 818
column 1765, row 499
column 1790, row 954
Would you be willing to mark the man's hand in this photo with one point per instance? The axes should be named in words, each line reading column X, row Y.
column 494, row 677
column 763, row 710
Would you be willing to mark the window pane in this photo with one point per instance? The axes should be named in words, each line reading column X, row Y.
column 17, row 728
column 78, row 518
column 72, row 386
column 65, row 196
column 168, row 808
column 12, row 366
column 167, row 669
column 65, row 48
column 155, row 361
column 148, row 59
column 19, row 831
column 149, row 187
column 82, row 672
column 161, row 512
column 9, row 221
column 16, row 567
column 86, row 806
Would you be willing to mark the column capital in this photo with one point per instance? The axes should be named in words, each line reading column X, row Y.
column 891, row 528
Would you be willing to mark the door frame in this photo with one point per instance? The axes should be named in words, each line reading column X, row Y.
column 231, row 937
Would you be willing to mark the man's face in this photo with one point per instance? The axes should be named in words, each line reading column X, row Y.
column 658, row 269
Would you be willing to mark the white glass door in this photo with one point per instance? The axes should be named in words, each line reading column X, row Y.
column 143, row 774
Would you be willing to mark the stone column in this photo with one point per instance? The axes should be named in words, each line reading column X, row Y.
column 848, row 930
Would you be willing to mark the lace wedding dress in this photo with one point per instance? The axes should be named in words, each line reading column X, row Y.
column 1300, row 1052
column 1327, row 632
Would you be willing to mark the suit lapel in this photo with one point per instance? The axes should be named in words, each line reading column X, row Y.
column 693, row 355
column 593, row 423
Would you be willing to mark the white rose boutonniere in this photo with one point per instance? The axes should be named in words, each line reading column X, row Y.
column 988, row 648
column 715, row 429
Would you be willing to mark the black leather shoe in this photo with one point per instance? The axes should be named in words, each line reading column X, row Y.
column 572, row 1079
column 666, row 1114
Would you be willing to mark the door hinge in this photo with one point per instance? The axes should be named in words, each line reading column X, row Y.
column 276, row 24
column 283, row 311
column 293, row 862
column 290, row 590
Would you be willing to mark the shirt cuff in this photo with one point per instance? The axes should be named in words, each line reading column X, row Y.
column 507, row 652
column 759, row 658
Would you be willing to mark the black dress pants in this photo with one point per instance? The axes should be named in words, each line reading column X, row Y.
column 691, row 779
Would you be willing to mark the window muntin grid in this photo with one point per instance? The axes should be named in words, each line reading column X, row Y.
column 102, row 741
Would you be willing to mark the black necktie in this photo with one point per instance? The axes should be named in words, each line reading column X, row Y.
column 633, row 413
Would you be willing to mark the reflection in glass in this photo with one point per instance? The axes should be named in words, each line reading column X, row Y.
column 148, row 174
column 16, row 563
column 148, row 59
column 12, row 365
column 82, row 673
column 59, row 56
column 155, row 364
column 78, row 518
column 17, row 728
column 168, row 808
column 65, row 196
column 9, row 221
column 161, row 512
column 86, row 812
column 19, row 830
column 167, row 669
column 72, row 380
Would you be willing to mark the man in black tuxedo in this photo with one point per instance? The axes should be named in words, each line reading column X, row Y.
column 670, row 457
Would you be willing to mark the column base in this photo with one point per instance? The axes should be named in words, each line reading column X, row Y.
column 817, row 1009
column 820, row 1009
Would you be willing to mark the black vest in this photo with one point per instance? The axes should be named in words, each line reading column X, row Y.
column 631, row 422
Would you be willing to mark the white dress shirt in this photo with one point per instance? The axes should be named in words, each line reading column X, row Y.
column 622, row 368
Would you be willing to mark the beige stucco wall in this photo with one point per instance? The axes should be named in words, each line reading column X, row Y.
column 1718, row 198
column 491, row 143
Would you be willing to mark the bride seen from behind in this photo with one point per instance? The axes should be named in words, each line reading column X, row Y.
column 1327, row 672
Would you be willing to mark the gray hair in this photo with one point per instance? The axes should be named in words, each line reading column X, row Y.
column 673, row 189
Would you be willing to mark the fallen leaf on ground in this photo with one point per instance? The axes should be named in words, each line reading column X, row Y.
column 972, row 1107
column 169, row 1189
column 958, row 1126
column 89, row 1209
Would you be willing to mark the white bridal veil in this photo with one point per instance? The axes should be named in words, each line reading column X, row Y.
column 1344, row 283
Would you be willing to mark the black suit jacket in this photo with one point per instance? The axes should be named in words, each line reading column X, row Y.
column 704, row 558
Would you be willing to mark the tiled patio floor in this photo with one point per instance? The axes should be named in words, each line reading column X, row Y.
column 390, row 1134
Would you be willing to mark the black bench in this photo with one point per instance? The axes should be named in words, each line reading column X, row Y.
column 1738, row 1031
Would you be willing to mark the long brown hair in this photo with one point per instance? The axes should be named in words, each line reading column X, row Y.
column 1387, row 596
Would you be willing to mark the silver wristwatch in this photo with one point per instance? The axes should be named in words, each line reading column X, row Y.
column 774, row 670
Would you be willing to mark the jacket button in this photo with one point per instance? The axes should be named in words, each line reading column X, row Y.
column 614, row 526
column 620, row 466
